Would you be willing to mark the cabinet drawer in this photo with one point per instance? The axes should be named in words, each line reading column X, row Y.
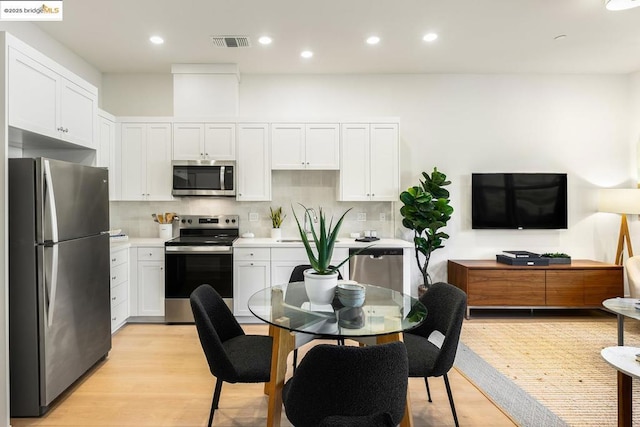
column 506, row 288
column 300, row 254
column 118, row 315
column 565, row 288
column 150, row 254
column 119, row 274
column 249, row 254
column 118, row 294
column 119, row 257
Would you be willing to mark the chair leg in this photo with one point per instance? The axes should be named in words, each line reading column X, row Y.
column 453, row 407
column 295, row 359
column 216, row 400
column 426, row 382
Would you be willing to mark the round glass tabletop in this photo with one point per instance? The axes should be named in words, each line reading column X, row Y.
column 384, row 311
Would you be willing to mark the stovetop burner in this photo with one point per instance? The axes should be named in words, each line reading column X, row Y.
column 206, row 230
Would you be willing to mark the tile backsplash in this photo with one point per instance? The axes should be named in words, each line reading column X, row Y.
column 312, row 189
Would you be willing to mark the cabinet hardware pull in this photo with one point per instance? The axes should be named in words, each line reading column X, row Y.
column 113, row 298
column 113, row 259
column 113, row 318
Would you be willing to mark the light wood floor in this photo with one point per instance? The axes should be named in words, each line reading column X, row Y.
column 157, row 375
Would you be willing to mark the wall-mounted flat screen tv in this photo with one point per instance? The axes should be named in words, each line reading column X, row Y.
column 519, row 200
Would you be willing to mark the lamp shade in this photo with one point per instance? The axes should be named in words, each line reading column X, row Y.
column 619, row 200
column 621, row 4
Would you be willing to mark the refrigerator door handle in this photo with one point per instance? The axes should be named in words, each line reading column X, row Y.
column 52, row 201
column 54, row 237
column 54, row 283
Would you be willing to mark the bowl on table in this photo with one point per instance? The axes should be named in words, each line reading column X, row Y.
column 351, row 294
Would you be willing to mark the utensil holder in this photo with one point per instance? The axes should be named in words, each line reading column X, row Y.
column 165, row 231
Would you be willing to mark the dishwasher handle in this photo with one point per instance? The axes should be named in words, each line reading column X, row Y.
column 376, row 252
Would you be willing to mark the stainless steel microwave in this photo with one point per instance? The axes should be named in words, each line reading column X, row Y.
column 204, row 178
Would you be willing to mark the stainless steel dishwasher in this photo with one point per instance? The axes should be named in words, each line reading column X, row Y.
column 377, row 266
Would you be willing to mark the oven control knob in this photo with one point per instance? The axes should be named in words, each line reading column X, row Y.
column 189, row 221
column 233, row 221
column 184, row 220
column 227, row 220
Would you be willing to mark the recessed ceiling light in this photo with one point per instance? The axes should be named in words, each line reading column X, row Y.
column 265, row 40
column 306, row 54
column 430, row 37
column 622, row 4
column 156, row 39
column 373, row 40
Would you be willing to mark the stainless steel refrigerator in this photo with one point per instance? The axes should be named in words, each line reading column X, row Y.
column 59, row 306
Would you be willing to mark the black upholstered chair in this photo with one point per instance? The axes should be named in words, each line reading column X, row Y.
column 348, row 386
column 232, row 356
column 298, row 296
column 446, row 305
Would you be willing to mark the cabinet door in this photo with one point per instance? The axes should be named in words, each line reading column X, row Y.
column 600, row 285
column 188, row 141
column 565, row 288
column 287, row 146
column 78, row 109
column 354, row 163
column 33, row 92
column 249, row 278
column 220, row 141
column 158, row 164
column 133, row 160
column 106, row 150
column 254, row 163
column 151, row 288
column 384, row 162
column 523, row 288
column 322, row 148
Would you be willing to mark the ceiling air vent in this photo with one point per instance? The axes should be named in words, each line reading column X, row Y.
column 230, row 41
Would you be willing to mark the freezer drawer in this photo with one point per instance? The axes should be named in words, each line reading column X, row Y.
column 378, row 266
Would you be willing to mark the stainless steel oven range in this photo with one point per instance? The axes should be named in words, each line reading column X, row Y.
column 203, row 253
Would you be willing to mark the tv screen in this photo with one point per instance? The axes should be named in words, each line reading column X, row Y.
column 519, row 200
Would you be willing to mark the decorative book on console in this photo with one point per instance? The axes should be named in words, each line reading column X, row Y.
column 520, row 254
column 522, row 260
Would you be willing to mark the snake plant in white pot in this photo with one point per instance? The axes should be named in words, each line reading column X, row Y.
column 322, row 278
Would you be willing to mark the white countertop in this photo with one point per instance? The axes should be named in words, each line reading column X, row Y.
column 138, row 241
column 346, row 242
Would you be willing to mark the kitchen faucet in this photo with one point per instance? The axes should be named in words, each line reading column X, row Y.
column 310, row 214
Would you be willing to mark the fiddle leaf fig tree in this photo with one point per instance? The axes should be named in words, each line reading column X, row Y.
column 426, row 210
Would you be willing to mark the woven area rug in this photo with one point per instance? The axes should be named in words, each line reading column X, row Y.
column 558, row 363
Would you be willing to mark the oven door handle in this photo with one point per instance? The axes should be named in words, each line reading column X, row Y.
column 195, row 250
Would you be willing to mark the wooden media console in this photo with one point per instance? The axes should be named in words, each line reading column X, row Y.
column 581, row 284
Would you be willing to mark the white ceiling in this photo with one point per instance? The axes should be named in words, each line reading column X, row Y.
column 475, row 36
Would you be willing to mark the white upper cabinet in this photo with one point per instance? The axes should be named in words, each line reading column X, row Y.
column 198, row 141
column 254, row 162
column 369, row 162
column 106, row 151
column 47, row 103
column 146, row 161
column 305, row 146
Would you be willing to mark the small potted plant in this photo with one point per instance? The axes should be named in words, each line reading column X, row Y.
column 321, row 280
column 277, row 217
column 557, row 258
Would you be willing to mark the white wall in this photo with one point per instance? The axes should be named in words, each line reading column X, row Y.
column 578, row 124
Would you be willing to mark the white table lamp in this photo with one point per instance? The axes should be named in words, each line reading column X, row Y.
column 622, row 201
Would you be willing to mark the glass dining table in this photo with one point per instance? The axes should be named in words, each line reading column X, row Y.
column 293, row 320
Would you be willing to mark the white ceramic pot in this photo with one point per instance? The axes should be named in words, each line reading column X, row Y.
column 276, row 233
column 320, row 288
column 165, row 231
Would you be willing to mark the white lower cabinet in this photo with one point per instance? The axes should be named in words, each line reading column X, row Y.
column 150, row 283
column 251, row 273
column 119, row 287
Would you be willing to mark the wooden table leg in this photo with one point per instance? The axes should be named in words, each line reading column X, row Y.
column 283, row 344
column 624, row 400
column 407, row 419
